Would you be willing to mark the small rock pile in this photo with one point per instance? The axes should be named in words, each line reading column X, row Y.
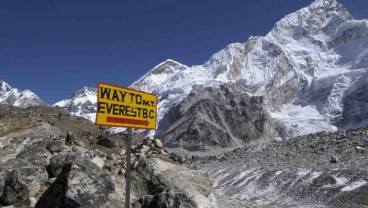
column 152, row 148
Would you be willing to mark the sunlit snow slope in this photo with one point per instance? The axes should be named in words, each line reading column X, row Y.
column 308, row 67
column 81, row 103
column 16, row 97
column 311, row 69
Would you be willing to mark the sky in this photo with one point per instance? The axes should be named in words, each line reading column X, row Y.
column 54, row 48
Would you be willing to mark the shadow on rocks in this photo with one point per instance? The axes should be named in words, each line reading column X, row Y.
column 55, row 195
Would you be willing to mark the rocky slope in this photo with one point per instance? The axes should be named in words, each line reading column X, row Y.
column 318, row 170
column 49, row 158
column 16, row 97
column 212, row 118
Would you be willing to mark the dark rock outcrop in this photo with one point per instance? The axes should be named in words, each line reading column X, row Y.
column 215, row 117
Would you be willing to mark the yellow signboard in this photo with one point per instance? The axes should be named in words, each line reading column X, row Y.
column 124, row 107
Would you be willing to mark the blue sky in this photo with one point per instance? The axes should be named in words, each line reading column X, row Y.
column 56, row 47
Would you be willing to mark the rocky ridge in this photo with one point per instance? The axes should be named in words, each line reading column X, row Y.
column 216, row 118
column 54, row 154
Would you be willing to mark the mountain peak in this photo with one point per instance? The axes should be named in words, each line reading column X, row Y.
column 325, row 4
column 332, row 6
column 15, row 97
column 4, row 87
column 81, row 103
column 320, row 18
column 166, row 67
column 84, row 91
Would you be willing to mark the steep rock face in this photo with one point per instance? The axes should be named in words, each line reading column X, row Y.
column 81, row 103
column 215, row 117
column 355, row 102
column 15, row 97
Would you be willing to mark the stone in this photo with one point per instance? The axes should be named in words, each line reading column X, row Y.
column 158, row 143
column 153, row 153
column 134, row 147
column 174, row 157
column 106, row 141
column 15, row 190
column 36, row 155
column 55, row 146
column 144, row 149
column 334, row 159
column 85, row 183
column 33, row 188
column 121, row 171
column 135, row 164
column 51, row 180
column 172, row 197
column 360, row 149
column 221, row 158
column 70, row 138
column 58, row 162
column 147, row 142
column 324, row 180
column 79, row 143
column 111, row 156
column 32, row 201
column 141, row 157
column 181, row 159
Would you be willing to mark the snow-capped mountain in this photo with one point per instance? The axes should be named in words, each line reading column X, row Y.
column 16, row 97
column 81, row 103
column 305, row 67
column 311, row 69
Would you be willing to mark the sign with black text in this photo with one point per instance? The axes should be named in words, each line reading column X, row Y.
column 124, row 107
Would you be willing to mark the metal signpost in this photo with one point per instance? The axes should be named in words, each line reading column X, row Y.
column 125, row 107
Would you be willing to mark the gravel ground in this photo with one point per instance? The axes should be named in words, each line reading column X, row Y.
column 327, row 168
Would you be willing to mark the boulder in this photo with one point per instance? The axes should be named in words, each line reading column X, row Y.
column 171, row 185
column 36, row 155
column 71, row 137
column 55, row 195
column 55, row 145
column 20, row 180
column 106, row 141
column 158, row 143
column 88, row 185
column 170, row 198
column 14, row 191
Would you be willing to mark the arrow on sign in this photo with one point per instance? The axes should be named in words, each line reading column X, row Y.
column 127, row 121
